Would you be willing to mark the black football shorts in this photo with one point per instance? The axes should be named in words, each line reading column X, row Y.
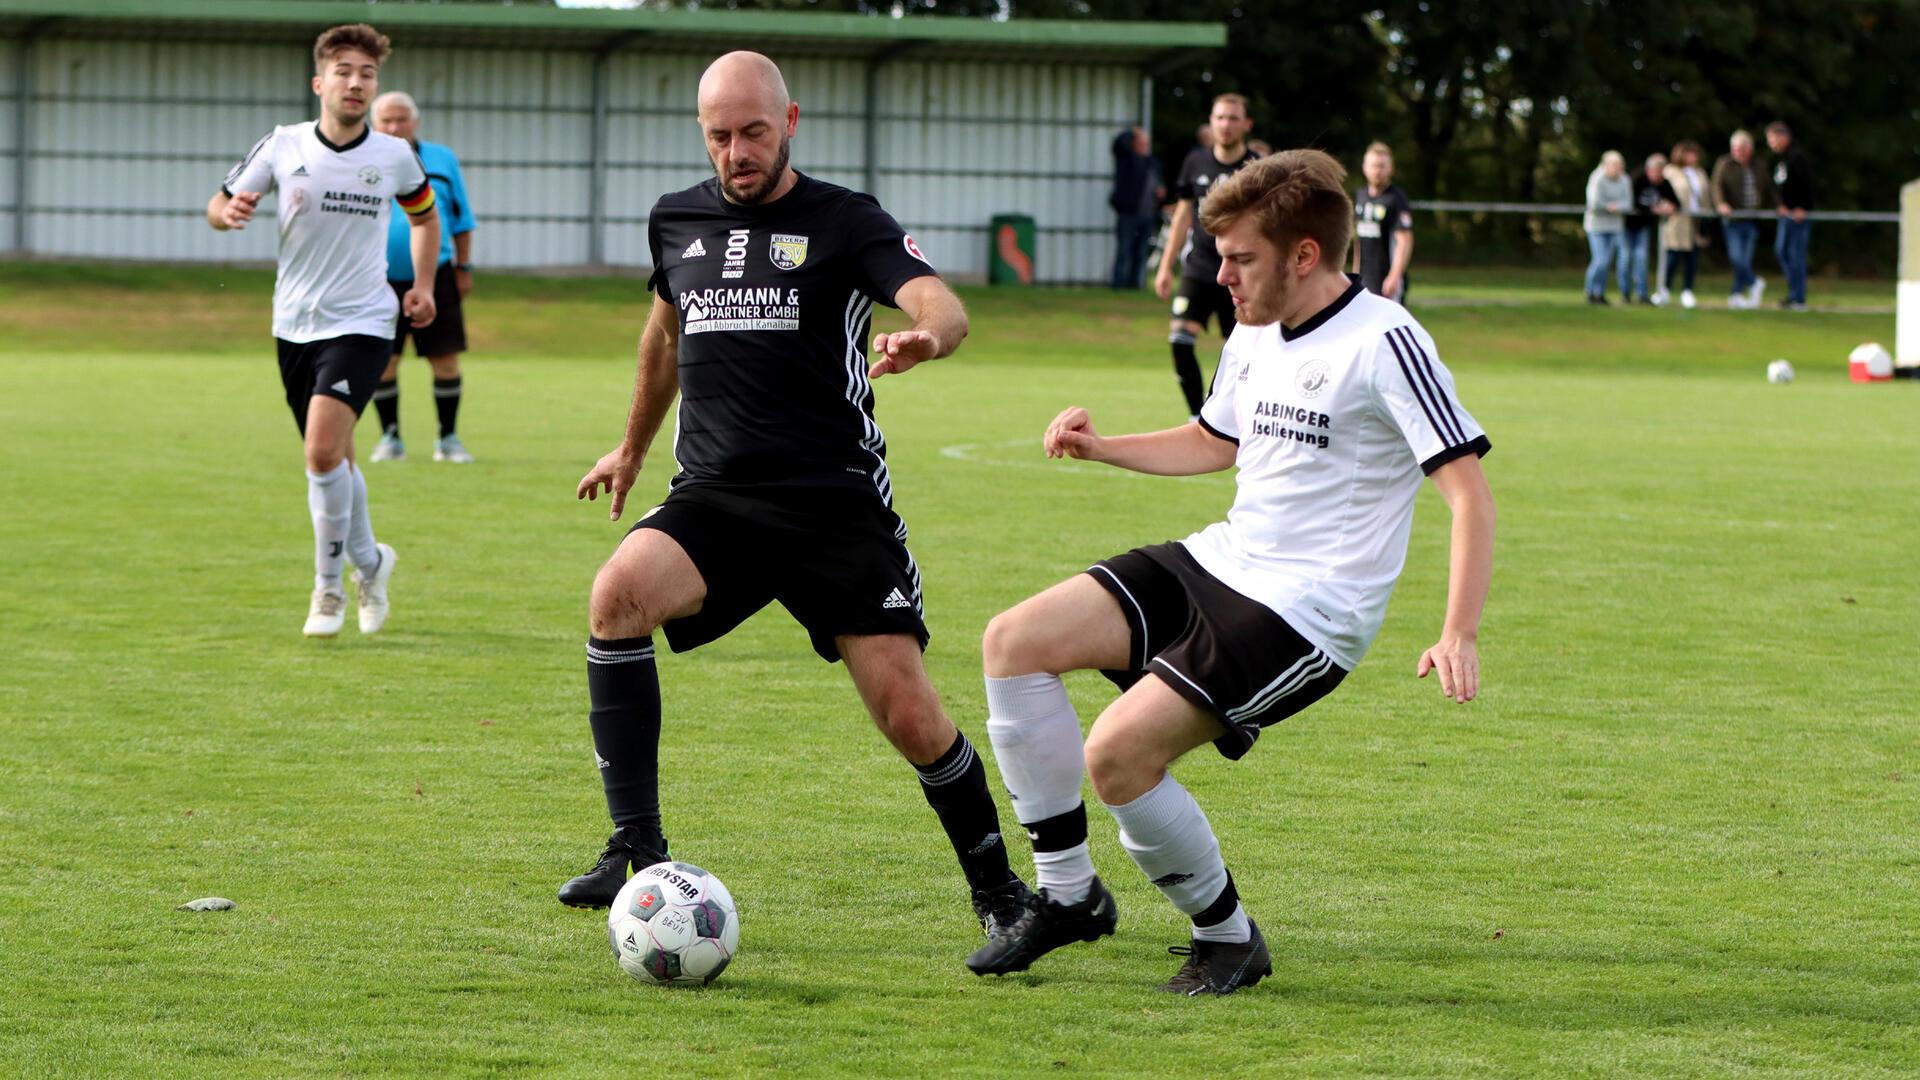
column 1227, row 654
column 835, row 558
column 447, row 333
column 1200, row 297
column 347, row 368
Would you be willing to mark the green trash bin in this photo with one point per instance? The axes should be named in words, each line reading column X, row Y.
column 1010, row 250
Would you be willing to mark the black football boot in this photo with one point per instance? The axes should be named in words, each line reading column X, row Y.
column 628, row 846
column 1220, row 967
column 1043, row 926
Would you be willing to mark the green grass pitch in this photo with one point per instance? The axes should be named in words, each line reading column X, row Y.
column 1678, row 835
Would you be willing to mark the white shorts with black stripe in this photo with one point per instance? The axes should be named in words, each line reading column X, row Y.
column 1229, row 655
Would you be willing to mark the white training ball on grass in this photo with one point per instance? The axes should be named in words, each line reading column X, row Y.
column 1779, row 372
column 674, row 924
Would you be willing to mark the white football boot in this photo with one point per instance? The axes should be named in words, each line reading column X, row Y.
column 372, row 592
column 327, row 613
column 390, row 448
column 453, row 450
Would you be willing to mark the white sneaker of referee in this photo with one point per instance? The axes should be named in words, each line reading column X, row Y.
column 1332, row 403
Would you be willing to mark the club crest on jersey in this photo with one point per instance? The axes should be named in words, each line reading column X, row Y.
column 786, row 251
column 370, row 175
column 1312, row 378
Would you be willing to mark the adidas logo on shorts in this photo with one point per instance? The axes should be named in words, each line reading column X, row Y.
column 694, row 250
column 895, row 600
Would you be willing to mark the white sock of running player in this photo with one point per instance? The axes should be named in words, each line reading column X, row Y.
column 330, row 498
column 361, row 550
column 1172, row 843
column 1036, row 742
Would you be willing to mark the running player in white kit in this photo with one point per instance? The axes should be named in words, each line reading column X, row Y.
column 333, row 312
column 1332, row 402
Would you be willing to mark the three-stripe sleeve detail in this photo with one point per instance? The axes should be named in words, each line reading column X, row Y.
column 1427, row 388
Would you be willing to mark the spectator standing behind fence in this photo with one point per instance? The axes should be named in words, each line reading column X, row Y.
column 1137, row 193
column 1652, row 201
column 1609, row 196
column 1740, row 184
column 1793, row 179
column 1681, row 234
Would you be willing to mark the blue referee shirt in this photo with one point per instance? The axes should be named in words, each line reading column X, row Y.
column 456, row 215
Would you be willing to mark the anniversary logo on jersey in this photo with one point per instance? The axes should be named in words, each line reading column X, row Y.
column 786, row 251
column 1312, row 378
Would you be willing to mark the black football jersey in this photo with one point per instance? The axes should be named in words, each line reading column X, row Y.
column 775, row 303
column 1375, row 219
column 1198, row 174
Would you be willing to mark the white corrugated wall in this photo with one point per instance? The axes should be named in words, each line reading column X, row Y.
column 130, row 138
column 9, row 140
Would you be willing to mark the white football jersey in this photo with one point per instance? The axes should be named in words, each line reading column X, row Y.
column 333, row 209
column 1336, row 421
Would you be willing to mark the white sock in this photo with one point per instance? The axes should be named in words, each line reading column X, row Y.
column 330, row 498
column 361, row 550
column 1036, row 742
column 1172, row 843
column 1066, row 875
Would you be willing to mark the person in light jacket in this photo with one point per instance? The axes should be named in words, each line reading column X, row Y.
column 1609, row 196
column 1684, row 233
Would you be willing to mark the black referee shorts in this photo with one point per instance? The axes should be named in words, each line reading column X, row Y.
column 1200, row 297
column 1225, row 653
column 447, row 333
column 836, row 559
column 346, row 367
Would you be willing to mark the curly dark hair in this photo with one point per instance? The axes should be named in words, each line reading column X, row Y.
column 358, row 37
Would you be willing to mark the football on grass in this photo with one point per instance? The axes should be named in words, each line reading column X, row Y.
column 674, row 924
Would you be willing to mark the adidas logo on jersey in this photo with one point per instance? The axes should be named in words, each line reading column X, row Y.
column 895, row 600
column 694, row 250
column 300, row 171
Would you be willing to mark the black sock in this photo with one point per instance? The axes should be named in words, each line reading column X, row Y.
column 624, row 687
column 446, row 398
column 386, row 399
column 1186, row 366
column 956, row 788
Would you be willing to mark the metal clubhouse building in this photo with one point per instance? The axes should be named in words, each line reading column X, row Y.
column 119, row 117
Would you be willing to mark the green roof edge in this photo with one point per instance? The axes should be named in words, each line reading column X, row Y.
column 1093, row 33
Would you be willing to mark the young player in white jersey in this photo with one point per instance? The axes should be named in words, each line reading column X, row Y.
column 1331, row 402
column 333, row 312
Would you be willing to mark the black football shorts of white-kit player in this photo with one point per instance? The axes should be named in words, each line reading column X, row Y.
column 783, row 492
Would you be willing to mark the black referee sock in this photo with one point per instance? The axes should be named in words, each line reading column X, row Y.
column 446, row 398
column 1186, row 367
column 624, row 687
column 386, row 399
column 956, row 788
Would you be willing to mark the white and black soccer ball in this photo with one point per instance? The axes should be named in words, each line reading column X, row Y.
column 674, row 924
column 1780, row 371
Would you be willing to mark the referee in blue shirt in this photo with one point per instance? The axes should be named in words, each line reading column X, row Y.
column 441, row 343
